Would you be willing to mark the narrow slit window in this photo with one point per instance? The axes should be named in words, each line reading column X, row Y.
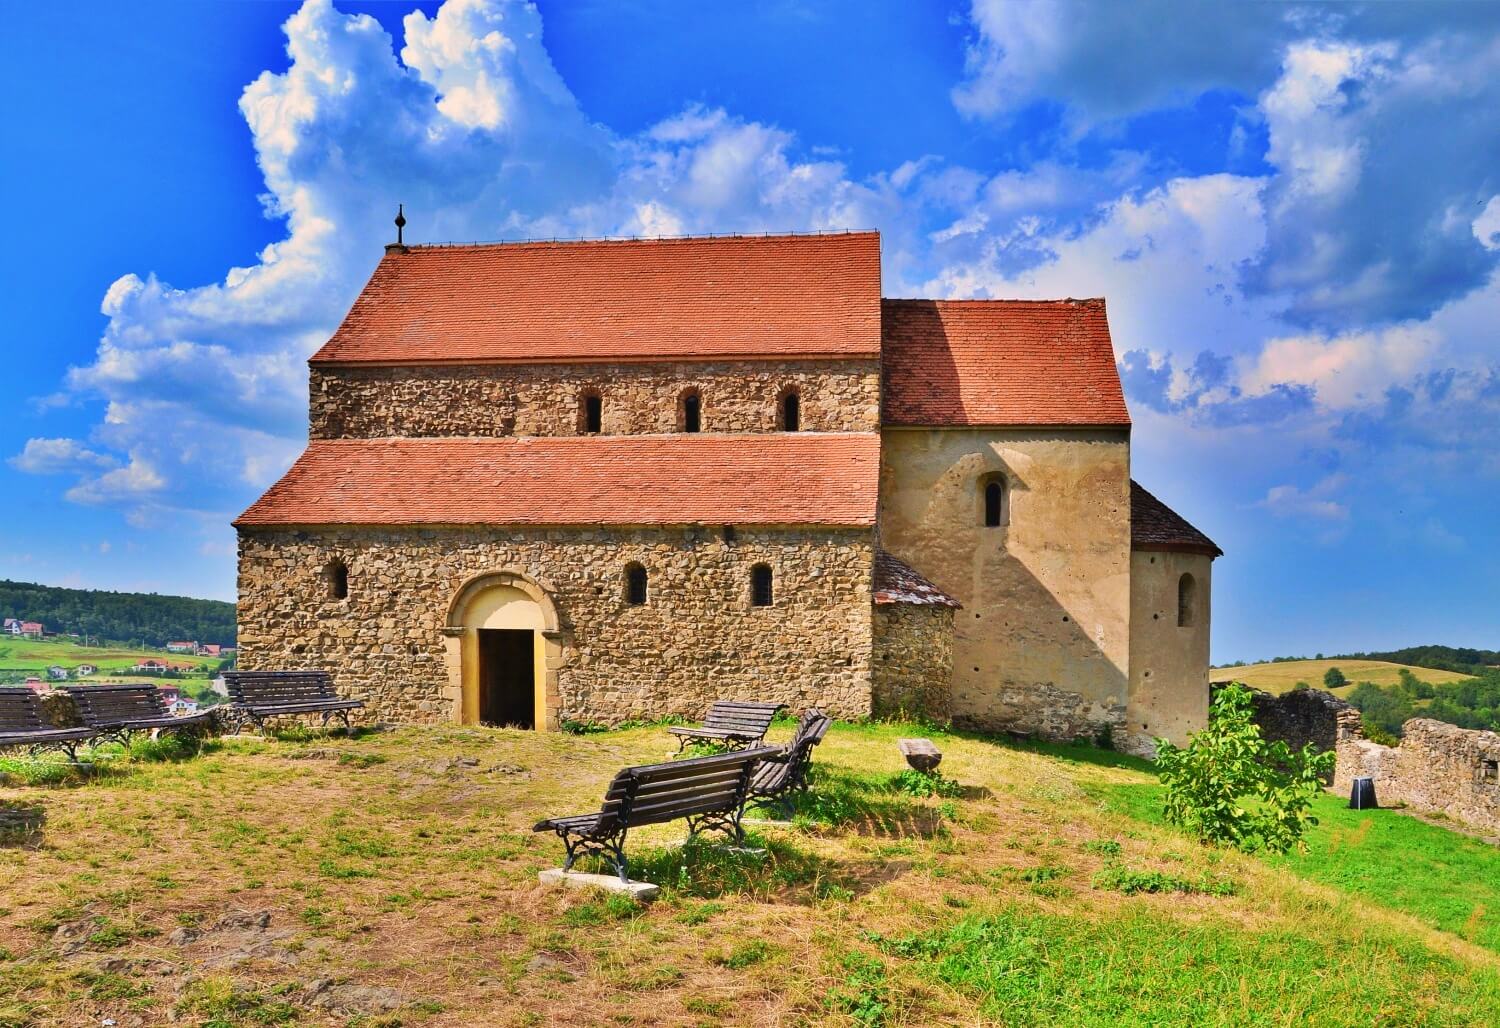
column 1489, row 771
column 1187, row 600
column 593, row 413
column 791, row 411
column 692, row 412
column 635, row 584
column 337, row 577
column 995, row 507
column 760, row 586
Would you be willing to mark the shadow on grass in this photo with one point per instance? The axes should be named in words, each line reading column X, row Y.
column 873, row 804
column 705, row 867
column 1075, row 753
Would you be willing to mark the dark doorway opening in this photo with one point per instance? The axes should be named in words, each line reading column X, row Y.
column 507, row 677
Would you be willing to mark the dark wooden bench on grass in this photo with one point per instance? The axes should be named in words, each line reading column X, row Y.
column 730, row 722
column 260, row 695
column 21, row 724
column 114, row 711
column 708, row 792
column 777, row 778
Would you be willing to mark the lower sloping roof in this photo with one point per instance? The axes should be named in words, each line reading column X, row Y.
column 1155, row 526
column 898, row 582
column 782, row 479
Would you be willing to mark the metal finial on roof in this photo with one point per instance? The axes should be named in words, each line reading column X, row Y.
column 399, row 246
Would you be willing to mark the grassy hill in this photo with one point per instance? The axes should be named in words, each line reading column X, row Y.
column 144, row 619
column 382, row 880
column 1281, row 675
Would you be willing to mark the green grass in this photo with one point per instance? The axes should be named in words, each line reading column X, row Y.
column 1142, row 967
column 1446, row 879
column 1039, row 888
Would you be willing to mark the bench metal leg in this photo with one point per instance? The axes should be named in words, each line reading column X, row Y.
column 611, row 847
column 728, row 823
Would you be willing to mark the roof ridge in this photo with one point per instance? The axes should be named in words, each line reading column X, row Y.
column 480, row 244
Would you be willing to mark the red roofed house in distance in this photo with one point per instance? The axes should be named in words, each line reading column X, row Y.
column 619, row 479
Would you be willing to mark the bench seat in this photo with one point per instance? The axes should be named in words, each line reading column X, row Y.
column 45, row 737
column 115, row 711
column 22, row 724
column 260, row 695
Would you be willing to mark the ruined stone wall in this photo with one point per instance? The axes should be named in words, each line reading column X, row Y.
column 1438, row 768
column 913, row 660
column 1041, row 645
column 545, row 399
column 1168, row 661
column 1305, row 717
column 695, row 640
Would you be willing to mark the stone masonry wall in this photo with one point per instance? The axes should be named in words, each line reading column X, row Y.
column 1305, row 717
column 545, row 399
column 1438, row 768
column 695, row 640
column 913, row 661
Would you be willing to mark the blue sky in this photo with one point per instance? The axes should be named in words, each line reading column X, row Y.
column 1293, row 211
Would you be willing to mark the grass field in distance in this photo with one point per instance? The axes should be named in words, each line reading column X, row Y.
column 1280, row 676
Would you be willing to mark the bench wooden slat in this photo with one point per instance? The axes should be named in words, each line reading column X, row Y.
column 263, row 694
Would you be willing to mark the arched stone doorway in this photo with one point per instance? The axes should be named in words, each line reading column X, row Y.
column 503, row 652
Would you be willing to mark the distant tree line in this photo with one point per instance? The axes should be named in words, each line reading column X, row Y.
column 131, row 618
column 1467, row 703
column 1464, row 660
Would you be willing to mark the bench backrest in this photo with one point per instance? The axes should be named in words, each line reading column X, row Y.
column 265, row 688
column 103, row 705
column 811, row 728
column 751, row 720
column 655, row 793
column 21, row 710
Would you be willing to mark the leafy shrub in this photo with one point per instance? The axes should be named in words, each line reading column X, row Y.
column 1231, row 787
column 925, row 783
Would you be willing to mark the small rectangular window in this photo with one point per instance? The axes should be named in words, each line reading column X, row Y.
column 1489, row 771
column 760, row 586
column 691, row 414
column 593, row 413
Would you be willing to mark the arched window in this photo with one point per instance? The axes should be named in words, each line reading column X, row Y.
column 760, row 585
column 789, row 417
column 591, row 412
column 1187, row 601
column 336, row 576
column 995, row 502
column 635, row 584
column 690, row 411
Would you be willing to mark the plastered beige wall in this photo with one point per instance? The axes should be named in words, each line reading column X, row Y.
column 1042, row 642
column 1168, row 663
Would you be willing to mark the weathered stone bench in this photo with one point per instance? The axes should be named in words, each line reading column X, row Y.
column 115, row 711
column 21, row 724
column 732, row 722
column 258, row 696
column 708, row 792
column 921, row 754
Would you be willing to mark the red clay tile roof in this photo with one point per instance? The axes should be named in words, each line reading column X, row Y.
column 764, row 296
column 1155, row 526
column 803, row 478
column 999, row 362
column 898, row 582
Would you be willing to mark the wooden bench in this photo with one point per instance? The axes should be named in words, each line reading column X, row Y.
column 21, row 724
column 708, row 792
column 776, row 779
column 260, row 695
column 114, row 711
column 730, row 722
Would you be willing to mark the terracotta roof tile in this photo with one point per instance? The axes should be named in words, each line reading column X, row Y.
column 1155, row 526
column 611, row 299
column 999, row 362
column 801, row 478
column 898, row 582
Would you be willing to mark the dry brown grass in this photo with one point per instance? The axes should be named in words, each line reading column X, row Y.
column 383, row 863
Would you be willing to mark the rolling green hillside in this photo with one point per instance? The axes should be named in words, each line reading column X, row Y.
column 1280, row 676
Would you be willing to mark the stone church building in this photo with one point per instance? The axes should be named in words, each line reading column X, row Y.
column 605, row 480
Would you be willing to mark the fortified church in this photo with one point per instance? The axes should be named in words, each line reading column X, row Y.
column 607, row 480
